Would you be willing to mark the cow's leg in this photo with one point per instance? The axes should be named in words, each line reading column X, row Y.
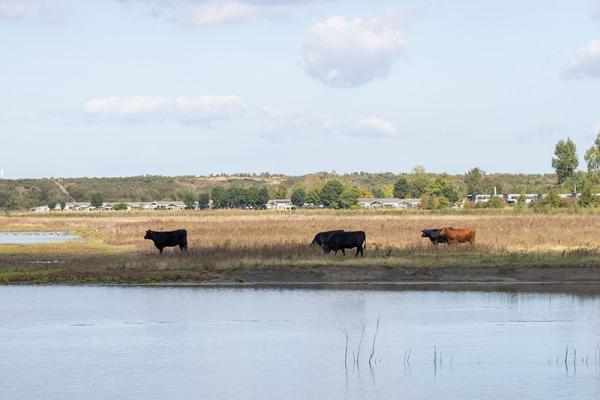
column 343, row 252
column 183, row 246
column 357, row 251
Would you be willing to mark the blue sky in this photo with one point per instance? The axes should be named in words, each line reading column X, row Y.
column 193, row 87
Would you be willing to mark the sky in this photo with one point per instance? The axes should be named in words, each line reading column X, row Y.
column 197, row 87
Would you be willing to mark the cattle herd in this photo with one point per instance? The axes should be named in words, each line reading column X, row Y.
column 329, row 241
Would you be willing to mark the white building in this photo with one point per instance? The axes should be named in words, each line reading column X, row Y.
column 513, row 198
column 164, row 205
column 280, row 204
column 372, row 203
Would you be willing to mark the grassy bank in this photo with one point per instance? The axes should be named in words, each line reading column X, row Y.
column 269, row 246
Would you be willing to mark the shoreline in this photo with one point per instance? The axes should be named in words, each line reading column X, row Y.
column 331, row 276
column 566, row 287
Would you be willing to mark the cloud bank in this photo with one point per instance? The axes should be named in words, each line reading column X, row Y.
column 280, row 123
column 202, row 110
column 218, row 12
column 585, row 62
column 346, row 53
column 12, row 9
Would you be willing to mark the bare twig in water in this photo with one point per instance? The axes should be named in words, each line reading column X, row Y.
column 363, row 326
column 345, row 332
column 374, row 339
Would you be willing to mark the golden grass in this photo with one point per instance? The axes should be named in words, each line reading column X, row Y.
column 223, row 241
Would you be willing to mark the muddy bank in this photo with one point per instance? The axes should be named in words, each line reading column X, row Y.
column 370, row 274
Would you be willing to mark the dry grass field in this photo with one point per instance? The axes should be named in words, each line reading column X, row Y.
column 245, row 245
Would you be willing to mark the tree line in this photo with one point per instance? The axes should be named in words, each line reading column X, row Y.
column 584, row 184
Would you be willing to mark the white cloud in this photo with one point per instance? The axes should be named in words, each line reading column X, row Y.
column 585, row 62
column 218, row 12
column 348, row 53
column 223, row 13
column 595, row 6
column 373, row 126
column 189, row 110
column 12, row 9
column 280, row 123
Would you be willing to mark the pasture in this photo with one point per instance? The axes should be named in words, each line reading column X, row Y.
column 251, row 246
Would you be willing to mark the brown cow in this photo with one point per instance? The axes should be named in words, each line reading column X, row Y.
column 454, row 235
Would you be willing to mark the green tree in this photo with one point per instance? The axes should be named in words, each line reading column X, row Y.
column 120, row 207
column 44, row 197
column 592, row 158
column 521, row 201
column 51, row 205
column 278, row 192
column 189, row 200
column 298, row 197
column 63, row 204
column 255, row 197
column 203, row 201
column 445, row 189
column 349, row 197
column 495, row 202
column 553, row 198
column 401, row 188
column 586, row 199
column 473, row 180
column 262, row 198
column 419, row 185
column 313, row 197
column 331, row 194
column 236, row 197
column 97, row 200
column 565, row 163
column 218, row 197
column 7, row 200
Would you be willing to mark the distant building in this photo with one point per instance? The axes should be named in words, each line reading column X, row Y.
column 280, row 204
column 372, row 203
column 513, row 198
column 162, row 205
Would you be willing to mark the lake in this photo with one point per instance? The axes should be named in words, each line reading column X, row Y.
column 36, row 237
column 73, row 342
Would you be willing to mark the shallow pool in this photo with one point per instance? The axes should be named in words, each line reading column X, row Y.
column 36, row 237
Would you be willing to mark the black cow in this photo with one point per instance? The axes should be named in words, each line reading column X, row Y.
column 346, row 240
column 168, row 239
column 434, row 236
column 321, row 238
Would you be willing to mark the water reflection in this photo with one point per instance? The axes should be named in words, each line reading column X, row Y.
column 180, row 343
column 36, row 237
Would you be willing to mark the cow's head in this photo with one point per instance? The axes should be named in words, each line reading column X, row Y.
column 430, row 233
column 148, row 234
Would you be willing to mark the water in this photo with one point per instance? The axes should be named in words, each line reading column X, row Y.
column 62, row 342
column 36, row 237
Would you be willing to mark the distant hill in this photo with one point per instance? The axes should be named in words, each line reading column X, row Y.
column 25, row 193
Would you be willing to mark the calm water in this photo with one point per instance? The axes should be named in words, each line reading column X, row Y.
column 36, row 237
column 200, row 343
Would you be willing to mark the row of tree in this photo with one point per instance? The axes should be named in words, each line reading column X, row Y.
column 566, row 163
column 332, row 194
